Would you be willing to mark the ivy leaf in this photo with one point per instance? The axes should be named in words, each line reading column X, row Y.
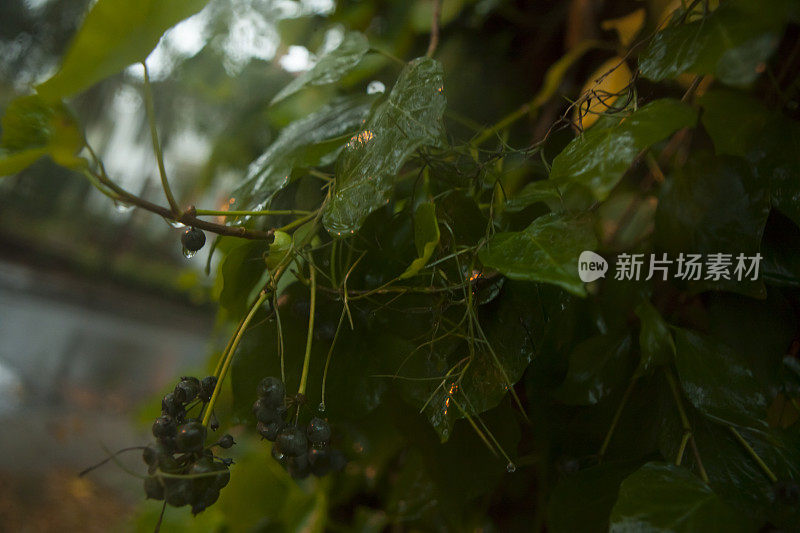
column 593, row 490
column 411, row 117
column 730, row 42
column 665, row 497
column 546, row 251
column 426, row 237
column 600, row 157
column 302, row 142
column 331, row 66
column 115, row 34
column 717, row 381
column 539, row 191
column 596, row 367
column 714, row 206
column 655, row 340
column 33, row 128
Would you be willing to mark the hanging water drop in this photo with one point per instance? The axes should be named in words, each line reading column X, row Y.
column 376, row 87
column 511, row 467
column 187, row 253
column 174, row 223
column 321, row 407
column 122, row 207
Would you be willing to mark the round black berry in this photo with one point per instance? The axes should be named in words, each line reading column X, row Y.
column 153, row 489
column 190, row 437
column 164, row 427
column 272, row 391
column 205, row 500
column 187, row 390
column 177, row 492
column 172, row 407
column 266, row 413
column 292, row 441
column 226, row 441
column 270, row 431
column 207, row 387
column 193, row 239
column 318, row 431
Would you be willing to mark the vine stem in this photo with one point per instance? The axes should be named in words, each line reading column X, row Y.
column 687, row 427
column 228, row 357
column 771, row 475
column 310, row 337
column 615, row 420
column 151, row 118
column 437, row 15
column 220, row 213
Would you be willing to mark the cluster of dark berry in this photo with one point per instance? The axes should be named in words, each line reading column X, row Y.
column 300, row 450
column 182, row 469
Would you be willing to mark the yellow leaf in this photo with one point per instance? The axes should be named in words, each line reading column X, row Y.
column 627, row 27
column 603, row 88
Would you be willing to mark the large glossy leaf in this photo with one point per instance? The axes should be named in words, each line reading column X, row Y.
column 665, row 497
column 426, row 237
column 655, row 340
column 331, row 66
column 33, row 128
column 411, row 117
column 596, row 367
column 730, row 42
column 712, row 206
column 115, row 34
column 302, row 142
column 547, row 251
column 544, row 191
column 718, row 382
column 600, row 157
column 733, row 473
column 592, row 490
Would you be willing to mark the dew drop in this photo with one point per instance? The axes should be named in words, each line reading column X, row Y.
column 321, row 407
column 174, row 223
column 188, row 254
column 376, row 87
column 511, row 467
column 122, row 207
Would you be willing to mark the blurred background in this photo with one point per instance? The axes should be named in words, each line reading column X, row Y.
column 99, row 310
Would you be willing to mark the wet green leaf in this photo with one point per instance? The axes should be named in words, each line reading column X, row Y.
column 600, row 157
column 331, row 66
column 596, row 367
column 539, row 191
column 718, row 382
column 301, row 143
column 731, row 42
column 665, row 497
column 715, row 206
column 33, row 128
column 655, row 340
column 546, row 251
column 592, row 490
column 411, row 117
column 426, row 237
column 115, row 34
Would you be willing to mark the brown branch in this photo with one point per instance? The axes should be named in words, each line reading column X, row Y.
column 187, row 218
column 437, row 15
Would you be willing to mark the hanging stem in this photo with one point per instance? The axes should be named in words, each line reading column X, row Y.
column 228, row 357
column 151, row 118
column 437, row 15
column 310, row 337
column 615, row 420
column 772, row 477
column 687, row 427
column 221, row 213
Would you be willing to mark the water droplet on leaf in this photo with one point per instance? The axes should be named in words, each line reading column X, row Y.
column 511, row 467
column 188, row 254
column 376, row 87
